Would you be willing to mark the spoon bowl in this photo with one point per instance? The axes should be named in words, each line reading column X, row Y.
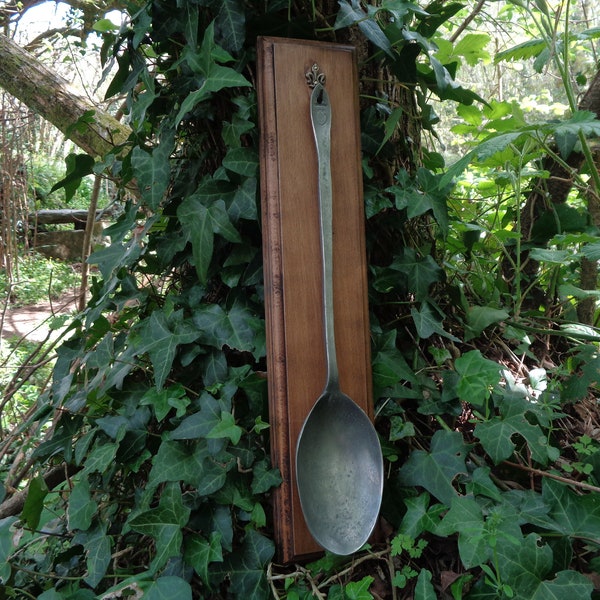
column 339, row 471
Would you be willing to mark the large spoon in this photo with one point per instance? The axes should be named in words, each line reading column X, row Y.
column 339, row 465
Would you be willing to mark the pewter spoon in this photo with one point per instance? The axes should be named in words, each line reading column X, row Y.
column 339, row 465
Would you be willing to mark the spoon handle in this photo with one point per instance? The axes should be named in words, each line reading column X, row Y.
column 320, row 113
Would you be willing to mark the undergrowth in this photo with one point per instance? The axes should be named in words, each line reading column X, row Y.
column 146, row 460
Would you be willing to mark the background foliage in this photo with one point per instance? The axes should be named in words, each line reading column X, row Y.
column 146, row 458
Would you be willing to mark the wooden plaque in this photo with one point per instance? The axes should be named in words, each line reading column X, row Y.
column 292, row 255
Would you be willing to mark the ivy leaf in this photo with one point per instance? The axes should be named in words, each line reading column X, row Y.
column 359, row 590
column 81, row 508
column 525, row 566
column 421, row 272
column 7, row 541
column 235, row 327
column 436, row 470
column 164, row 524
column 97, row 546
column 243, row 161
column 424, row 589
column 226, row 428
column 200, row 553
column 481, row 317
column 428, row 321
column 152, row 170
column 496, row 436
column 264, row 477
column 175, row 462
column 246, row 567
column 389, row 366
column 34, row 502
column 478, row 376
column 160, row 338
column 168, row 588
column 570, row 514
column 199, row 424
column 351, row 13
column 165, row 400
column 230, row 25
column 78, row 166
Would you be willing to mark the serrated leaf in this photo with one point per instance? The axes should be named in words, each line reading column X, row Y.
column 472, row 47
column 82, row 507
column 528, row 49
column 200, row 553
column 246, row 567
column 168, row 588
column 478, row 376
column 34, row 502
column 435, row 470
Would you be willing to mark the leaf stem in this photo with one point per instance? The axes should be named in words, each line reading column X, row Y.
column 566, row 480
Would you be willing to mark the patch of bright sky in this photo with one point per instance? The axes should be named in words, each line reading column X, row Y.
column 48, row 15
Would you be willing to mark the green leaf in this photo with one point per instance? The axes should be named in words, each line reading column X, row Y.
column 359, row 590
column 97, row 546
column 472, row 47
column 264, row 477
column 230, row 25
column 7, row 541
column 168, row 588
column 571, row 514
column 428, row 321
column 478, row 376
column 195, row 466
column 424, row 589
column 436, row 470
column 246, row 567
column 160, row 337
column 152, row 170
column 525, row 568
column 243, row 161
column 496, row 436
column 34, row 502
column 78, row 167
column 164, row 524
column 351, row 13
column 165, row 400
column 389, row 366
column 226, row 428
column 523, row 51
column 481, row 317
column 82, row 507
column 200, row 553
column 421, row 272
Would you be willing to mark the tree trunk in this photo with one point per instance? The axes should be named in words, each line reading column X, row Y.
column 25, row 78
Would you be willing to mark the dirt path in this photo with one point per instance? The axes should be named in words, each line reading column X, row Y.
column 31, row 322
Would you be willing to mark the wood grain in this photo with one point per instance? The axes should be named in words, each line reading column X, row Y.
column 292, row 255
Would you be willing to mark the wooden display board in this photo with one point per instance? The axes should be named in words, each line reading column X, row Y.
column 292, row 255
